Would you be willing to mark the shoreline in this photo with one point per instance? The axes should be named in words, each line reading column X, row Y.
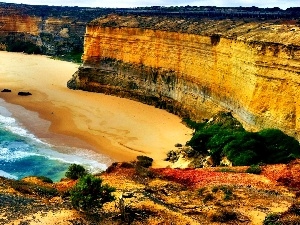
column 115, row 127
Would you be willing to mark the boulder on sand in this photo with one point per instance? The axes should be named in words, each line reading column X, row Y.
column 6, row 90
column 23, row 93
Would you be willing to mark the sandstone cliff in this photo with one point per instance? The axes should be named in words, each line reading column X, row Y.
column 53, row 30
column 197, row 67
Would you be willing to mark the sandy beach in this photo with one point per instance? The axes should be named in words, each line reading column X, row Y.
column 116, row 127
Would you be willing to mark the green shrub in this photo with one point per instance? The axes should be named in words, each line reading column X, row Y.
column 75, row 171
column 255, row 169
column 74, row 56
column 217, row 142
column 144, row 161
column 243, row 150
column 279, row 147
column 23, row 46
column 272, row 219
column 89, row 193
column 201, row 138
column 224, row 136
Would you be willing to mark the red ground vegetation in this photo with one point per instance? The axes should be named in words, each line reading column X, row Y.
column 286, row 174
column 271, row 176
column 202, row 177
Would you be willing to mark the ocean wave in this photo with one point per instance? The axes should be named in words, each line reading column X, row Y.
column 6, row 120
column 94, row 162
column 7, row 155
column 7, row 175
column 12, row 125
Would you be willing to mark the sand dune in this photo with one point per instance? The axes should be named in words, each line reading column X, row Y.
column 116, row 127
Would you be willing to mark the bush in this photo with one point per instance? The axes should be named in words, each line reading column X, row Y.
column 224, row 136
column 244, row 149
column 217, row 142
column 23, row 46
column 272, row 219
column 144, row 161
column 75, row 171
column 279, row 147
column 89, row 193
column 255, row 169
column 201, row 138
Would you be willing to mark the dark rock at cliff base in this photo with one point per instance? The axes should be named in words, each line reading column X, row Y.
column 23, row 93
column 6, row 90
column 72, row 83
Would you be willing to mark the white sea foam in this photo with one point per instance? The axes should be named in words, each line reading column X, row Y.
column 7, row 175
column 6, row 120
column 89, row 159
column 13, row 126
column 8, row 155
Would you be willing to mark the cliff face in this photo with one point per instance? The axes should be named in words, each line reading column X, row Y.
column 251, row 69
column 54, row 30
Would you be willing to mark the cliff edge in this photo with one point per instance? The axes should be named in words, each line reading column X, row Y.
column 196, row 67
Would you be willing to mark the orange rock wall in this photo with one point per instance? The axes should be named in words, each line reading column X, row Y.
column 20, row 23
column 258, row 81
column 55, row 35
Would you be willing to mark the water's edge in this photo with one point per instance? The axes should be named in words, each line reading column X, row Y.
column 23, row 153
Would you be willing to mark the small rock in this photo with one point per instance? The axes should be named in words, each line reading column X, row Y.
column 23, row 93
column 225, row 162
column 208, row 162
column 188, row 151
column 6, row 90
column 178, row 145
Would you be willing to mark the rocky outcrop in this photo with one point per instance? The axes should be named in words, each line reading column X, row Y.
column 195, row 68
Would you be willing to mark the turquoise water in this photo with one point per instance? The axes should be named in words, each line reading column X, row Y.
column 23, row 154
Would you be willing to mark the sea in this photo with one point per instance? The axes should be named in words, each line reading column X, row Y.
column 23, row 154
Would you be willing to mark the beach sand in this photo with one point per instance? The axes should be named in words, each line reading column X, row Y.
column 116, row 127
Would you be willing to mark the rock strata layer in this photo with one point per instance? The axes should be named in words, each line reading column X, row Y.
column 195, row 68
